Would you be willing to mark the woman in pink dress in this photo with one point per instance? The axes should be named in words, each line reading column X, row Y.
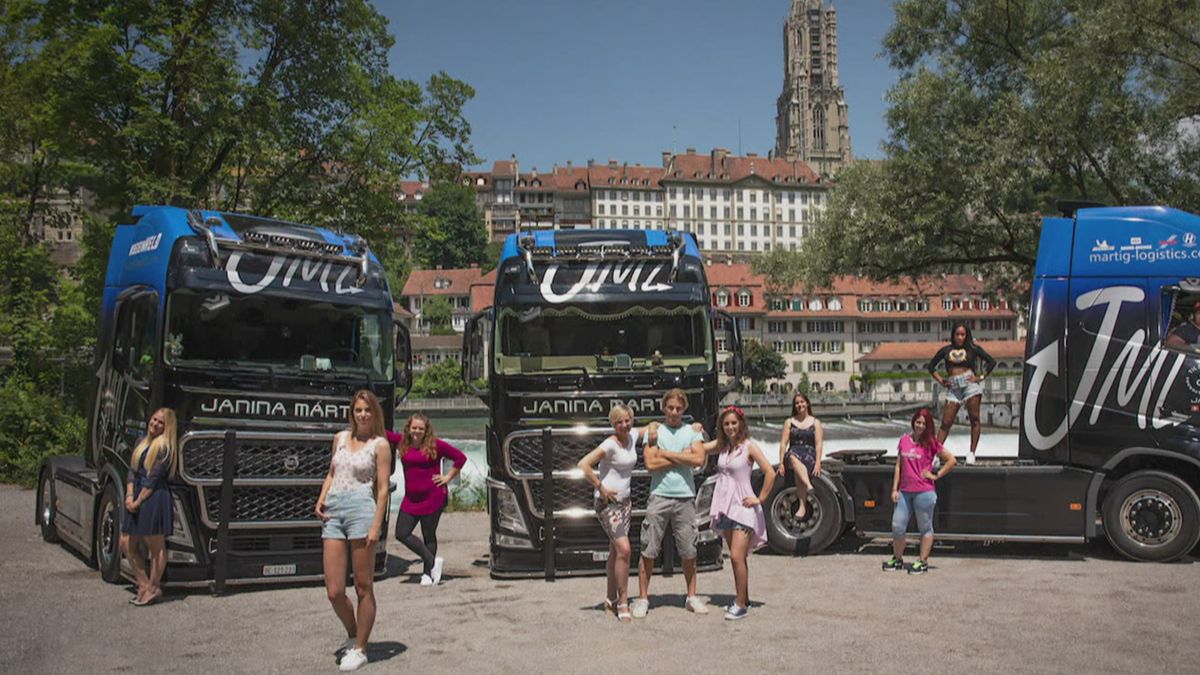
column 736, row 512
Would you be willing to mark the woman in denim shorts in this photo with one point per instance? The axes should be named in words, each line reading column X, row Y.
column 352, row 506
column 913, row 489
column 616, row 456
column 967, row 364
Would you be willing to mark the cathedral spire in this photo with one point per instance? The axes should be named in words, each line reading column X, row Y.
column 811, row 121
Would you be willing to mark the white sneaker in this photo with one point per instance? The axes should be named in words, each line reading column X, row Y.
column 970, row 458
column 695, row 605
column 436, row 576
column 640, row 608
column 426, row 580
column 353, row 659
column 344, row 647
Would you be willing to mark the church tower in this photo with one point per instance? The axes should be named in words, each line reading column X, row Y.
column 811, row 119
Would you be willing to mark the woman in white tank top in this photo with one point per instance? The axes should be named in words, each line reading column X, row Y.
column 352, row 506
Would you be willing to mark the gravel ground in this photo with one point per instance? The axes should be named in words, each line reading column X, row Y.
column 999, row 609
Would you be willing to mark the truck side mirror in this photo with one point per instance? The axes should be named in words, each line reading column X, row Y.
column 475, row 356
column 403, row 355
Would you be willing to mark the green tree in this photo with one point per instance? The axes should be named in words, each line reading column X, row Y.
column 761, row 363
column 437, row 313
column 441, row 380
column 1001, row 110
column 275, row 107
column 452, row 233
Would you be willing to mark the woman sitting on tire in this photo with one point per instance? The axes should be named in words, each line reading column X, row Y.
column 149, row 519
column 913, row 489
column 800, row 449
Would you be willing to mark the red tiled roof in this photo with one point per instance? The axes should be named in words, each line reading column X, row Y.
column 922, row 351
column 723, row 167
column 410, row 188
column 622, row 175
column 424, row 282
column 505, row 166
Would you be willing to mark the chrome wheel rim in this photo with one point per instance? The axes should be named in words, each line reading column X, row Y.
column 783, row 511
column 108, row 528
column 1151, row 517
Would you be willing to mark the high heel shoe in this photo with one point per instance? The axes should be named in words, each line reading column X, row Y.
column 154, row 599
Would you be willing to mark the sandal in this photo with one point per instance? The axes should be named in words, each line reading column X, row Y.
column 610, row 605
column 623, row 614
column 157, row 597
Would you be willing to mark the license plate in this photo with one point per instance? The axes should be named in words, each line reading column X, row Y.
column 278, row 570
column 599, row 556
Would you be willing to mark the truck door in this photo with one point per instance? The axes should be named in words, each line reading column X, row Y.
column 1175, row 327
column 124, row 396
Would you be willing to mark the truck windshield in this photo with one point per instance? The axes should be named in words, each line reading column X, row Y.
column 602, row 339
column 215, row 329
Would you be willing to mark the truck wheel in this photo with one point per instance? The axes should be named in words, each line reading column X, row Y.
column 108, row 535
column 46, row 506
column 1152, row 516
column 820, row 527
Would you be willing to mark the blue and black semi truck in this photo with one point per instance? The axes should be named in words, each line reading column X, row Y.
column 582, row 320
column 1110, row 418
column 256, row 332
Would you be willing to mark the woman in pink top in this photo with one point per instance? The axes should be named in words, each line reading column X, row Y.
column 736, row 512
column 913, row 489
column 425, row 491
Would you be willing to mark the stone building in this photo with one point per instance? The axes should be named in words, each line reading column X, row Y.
column 812, row 123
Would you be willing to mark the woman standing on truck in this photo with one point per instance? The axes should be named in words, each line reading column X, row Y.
column 913, row 489
column 352, row 505
column 963, row 380
column 149, row 517
column 800, row 448
column 425, row 491
column 616, row 456
column 736, row 512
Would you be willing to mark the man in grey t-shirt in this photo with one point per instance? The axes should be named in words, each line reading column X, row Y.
column 672, row 503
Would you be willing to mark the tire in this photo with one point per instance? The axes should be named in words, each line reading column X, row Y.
column 1152, row 516
column 46, row 507
column 107, row 540
column 820, row 528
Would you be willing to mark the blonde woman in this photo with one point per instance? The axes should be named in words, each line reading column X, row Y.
column 616, row 456
column 352, row 506
column 148, row 517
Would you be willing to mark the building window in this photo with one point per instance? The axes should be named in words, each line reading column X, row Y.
column 722, row 299
column 815, row 304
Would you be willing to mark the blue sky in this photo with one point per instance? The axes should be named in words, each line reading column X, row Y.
column 559, row 80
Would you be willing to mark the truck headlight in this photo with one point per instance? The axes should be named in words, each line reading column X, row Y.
column 181, row 535
column 503, row 502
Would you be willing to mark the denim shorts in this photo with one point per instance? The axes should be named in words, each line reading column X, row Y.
column 726, row 523
column 351, row 514
column 959, row 388
column 922, row 503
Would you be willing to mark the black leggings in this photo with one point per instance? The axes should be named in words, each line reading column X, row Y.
column 427, row 549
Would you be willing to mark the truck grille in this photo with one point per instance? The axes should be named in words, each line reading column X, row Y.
column 578, row 494
column 263, row 506
column 524, row 450
column 258, row 457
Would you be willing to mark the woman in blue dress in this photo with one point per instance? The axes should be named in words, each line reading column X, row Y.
column 148, row 507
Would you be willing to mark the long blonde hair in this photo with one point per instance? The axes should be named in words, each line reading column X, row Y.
column 372, row 401
column 429, row 442
column 148, row 450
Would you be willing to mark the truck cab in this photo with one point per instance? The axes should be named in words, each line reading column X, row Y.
column 256, row 332
column 582, row 320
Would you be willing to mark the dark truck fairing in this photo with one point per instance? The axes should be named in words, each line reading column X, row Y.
column 251, row 329
column 582, row 321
